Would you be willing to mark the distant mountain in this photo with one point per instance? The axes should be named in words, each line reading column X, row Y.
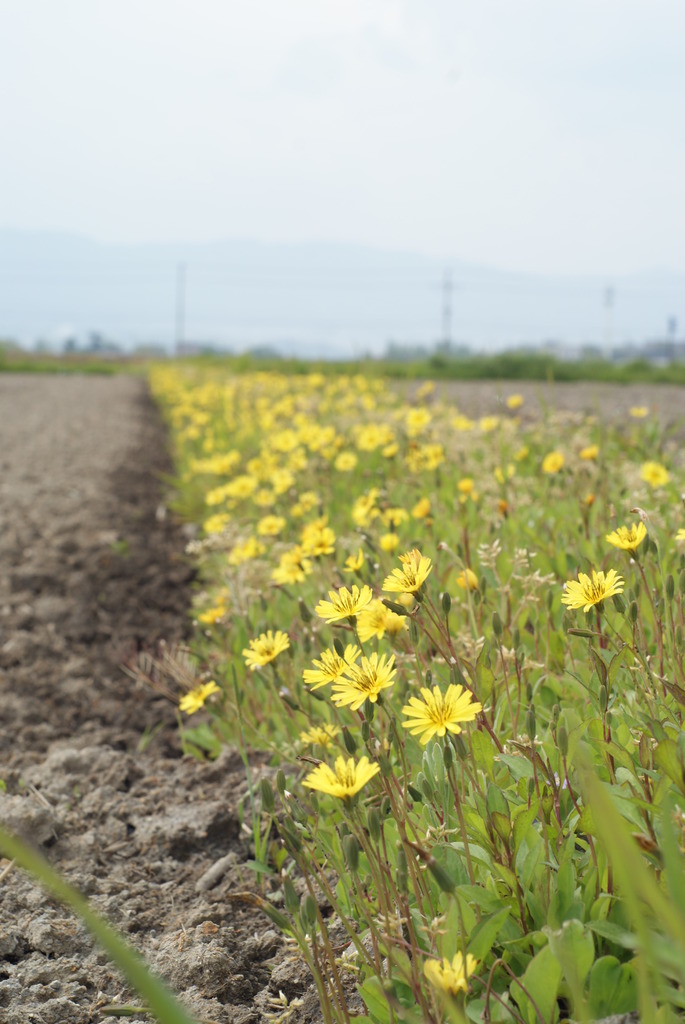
column 313, row 299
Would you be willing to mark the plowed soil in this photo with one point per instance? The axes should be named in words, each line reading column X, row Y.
column 93, row 570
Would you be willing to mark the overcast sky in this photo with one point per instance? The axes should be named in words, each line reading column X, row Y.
column 540, row 135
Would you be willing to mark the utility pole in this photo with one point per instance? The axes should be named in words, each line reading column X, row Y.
column 447, row 289
column 180, row 305
column 609, row 296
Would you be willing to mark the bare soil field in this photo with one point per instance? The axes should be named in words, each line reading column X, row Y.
column 92, row 570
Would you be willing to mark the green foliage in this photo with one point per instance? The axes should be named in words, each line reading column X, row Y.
column 529, row 866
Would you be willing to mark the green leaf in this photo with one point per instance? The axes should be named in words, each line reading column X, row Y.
column 674, row 863
column 374, row 999
column 522, row 822
column 574, row 948
column 667, row 757
column 614, row 933
column 484, row 934
column 541, row 980
column 483, row 751
column 613, row 988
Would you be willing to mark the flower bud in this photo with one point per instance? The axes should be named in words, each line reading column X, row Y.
column 562, row 740
column 619, row 603
column 267, row 795
column 339, row 647
column 280, row 782
column 460, row 746
column 366, row 731
column 305, row 613
column 446, row 603
column 349, row 740
column 670, row 587
column 497, row 625
column 373, row 821
column 446, row 882
column 308, row 911
column 292, row 900
column 351, row 851
column 603, row 698
column 530, row 721
column 632, row 612
column 402, row 873
column 291, row 838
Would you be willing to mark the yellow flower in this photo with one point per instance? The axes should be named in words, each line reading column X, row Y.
column 264, row 498
column 330, row 666
column 241, row 486
column 394, row 517
column 389, row 542
column 467, row 579
column 318, row 538
column 409, row 579
column 421, row 509
column 364, row 681
column 265, row 648
column 417, row 420
column 216, row 523
column 514, row 401
column 347, row 779
column 522, row 453
column 655, row 474
column 195, row 699
column 503, row 474
column 270, row 526
column 210, row 616
column 437, row 714
column 680, row 535
column 251, row 548
column 589, row 453
column 344, row 604
column 451, row 975
column 462, row 423
column 585, row 592
column 552, row 462
column 465, row 485
column 639, row 412
column 323, row 735
column 376, row 620
column 628, row 538
column 353, row 563
column 488, row 423
column 389, row 451
column 292, row 568
column 364, row 508
column 345, row 462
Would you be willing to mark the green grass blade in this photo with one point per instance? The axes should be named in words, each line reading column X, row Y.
column 158, row 998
